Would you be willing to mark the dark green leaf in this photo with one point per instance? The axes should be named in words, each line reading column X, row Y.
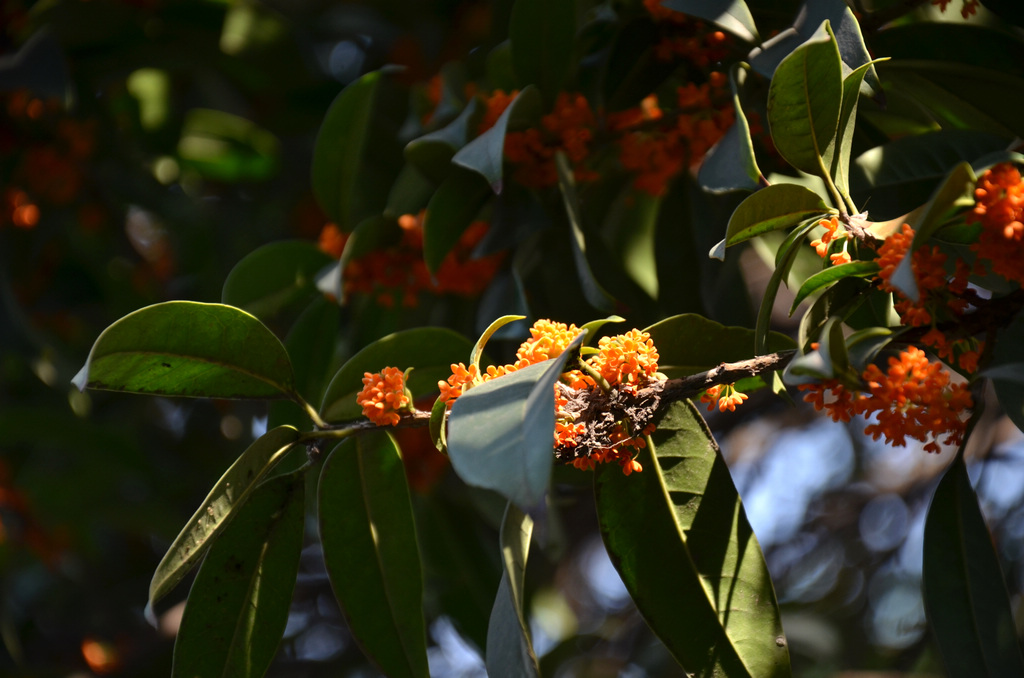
column 185, row 348
column 1006, row 360
column 629, row 231
column 543, row 35
column 784, row 259
column 431, row 350
column 369, row 543
column 344, row 181
column 832, row 274
column 509, row 650
column 410, row 193
column 678, row 535
column 223, row 502
column 964, row 589
column 432, row 153
column 486, row 154
column 804, row 101
column 225, row 147
column 453, row 208
column 311, row 343
column 720, row 170
column 689, row 343
column 438, row 422
column 238, row 606
column 501, row 433
column 730, row 15
column 847, row 123
column 595, row 295
column 773, row 208
column 274, row 276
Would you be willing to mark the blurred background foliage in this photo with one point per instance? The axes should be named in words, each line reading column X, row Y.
column 147, row 146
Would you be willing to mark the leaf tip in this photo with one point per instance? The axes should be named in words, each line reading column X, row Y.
column 81, row 380
column 718, row 251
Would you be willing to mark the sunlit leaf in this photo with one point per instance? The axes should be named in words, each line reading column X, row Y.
column 369, row 543
column 226, row 147
column 431, row 350
column 509, row 650
column 804, row 101
column 274, row 276
column 238, row 606
column 478, row 348
column 501, row 433
column 224, row 501
column 847, row 123
column 679, row 537
column 542, row 34
column 773, row 208
column 186, row 348
column 830, row 275
column 730, row 15
column 964, row 588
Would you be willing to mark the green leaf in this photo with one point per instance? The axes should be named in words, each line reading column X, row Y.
column 629, row 231
column 720, row 170
column 431, row 350
column 964, row 588
column 847, row 122
column 275, row 276
column 829, row 361
column 804, row 99
column 784, row 259
column 451, row 210
column 729, row 15
column 311, row 343
column 432, row 153
column 342, row 178
column 224, row 501
column 543, row 35
column 595, row 295
column 185, row 348
column 486, row 154
column 773, row 208
column 501, row 433
column 410, row 193
column 478, row 348
column 679, row 537
column 832, row 274
column 593, row 326
column 438, row 421
column 369, row 543
column 689, row 344
column 509, row 650
column 226, row 147
column 238, row 606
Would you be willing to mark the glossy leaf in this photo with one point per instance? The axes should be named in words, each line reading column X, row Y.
column 275, row 276
column 501, row 433
column 773, row 208
column 432, row 153
column 690, row 343
column 369, row 543
column 431, row 350
column 964, row 588
column 594, row 293
column 238, row 606
column 340, row 175
column 804, row 103
column 847, row 123
column 509, row 650
column 679, row 537
column 542, row 34
column 486, row 154
column 729, row 15
column 784, row 259
column 832, row 274
column 224, row 501
column 450, row 211
column 185, row 348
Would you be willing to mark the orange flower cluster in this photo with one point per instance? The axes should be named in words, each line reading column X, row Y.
column 937, row 290
column 384, row 396
column 657, row 147
column 398, row 273
column 726, row 397
column 627, row 361
column 914, row 398
column 833, row 233
column 568, row 128
column 999, row 208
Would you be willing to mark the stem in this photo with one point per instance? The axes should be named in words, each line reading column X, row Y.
column 595, row 375
column 311, row 412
